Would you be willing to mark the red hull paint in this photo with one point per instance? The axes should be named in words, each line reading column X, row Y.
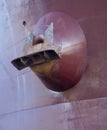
column 22, row 91
column 65, row 72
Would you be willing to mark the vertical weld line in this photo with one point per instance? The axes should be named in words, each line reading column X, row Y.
column 18, row 94
column 66, row 112
column 67, row 115
column 18, row 104
column 81, row 115
column 24, row 90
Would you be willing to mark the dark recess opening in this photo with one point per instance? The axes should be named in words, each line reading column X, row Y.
column 35, row 59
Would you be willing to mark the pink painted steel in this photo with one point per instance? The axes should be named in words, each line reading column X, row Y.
column 64, row 73
column 23, row 90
